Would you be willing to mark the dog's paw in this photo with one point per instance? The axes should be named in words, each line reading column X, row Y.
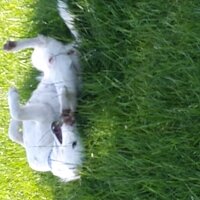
column 68, row 117
column 9, row 45
column 13, row 93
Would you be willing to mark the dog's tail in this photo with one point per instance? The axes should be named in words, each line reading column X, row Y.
column 68, row 18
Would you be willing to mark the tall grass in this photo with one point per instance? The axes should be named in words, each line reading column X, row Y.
column 139, row 110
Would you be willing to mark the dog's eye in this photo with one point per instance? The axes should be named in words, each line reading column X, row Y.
column 74, row 144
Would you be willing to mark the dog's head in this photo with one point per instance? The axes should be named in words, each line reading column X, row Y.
column 66, row 155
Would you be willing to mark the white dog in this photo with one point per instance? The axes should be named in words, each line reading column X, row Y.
column 45, row 126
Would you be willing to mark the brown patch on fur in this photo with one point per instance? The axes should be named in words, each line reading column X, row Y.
column 68, row 117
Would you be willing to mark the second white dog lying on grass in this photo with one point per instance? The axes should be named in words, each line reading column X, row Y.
column 49, row 133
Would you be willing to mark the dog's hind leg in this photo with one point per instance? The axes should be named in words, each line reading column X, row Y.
column 14, row 132
column 32, row 111
column 24, row 44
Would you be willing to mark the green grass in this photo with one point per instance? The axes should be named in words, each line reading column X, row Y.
column 139, row 114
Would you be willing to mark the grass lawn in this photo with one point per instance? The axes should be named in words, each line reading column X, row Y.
column 139, row 114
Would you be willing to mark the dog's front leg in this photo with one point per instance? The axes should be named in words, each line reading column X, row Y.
column 32, row 111
column 14, row 132
column 67, row 99
column 62, row 97
column 72, row 98
column 24, row 44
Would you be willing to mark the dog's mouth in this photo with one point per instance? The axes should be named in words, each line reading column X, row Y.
column 57, row 131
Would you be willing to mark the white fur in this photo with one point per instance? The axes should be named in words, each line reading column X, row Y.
column 30, row 125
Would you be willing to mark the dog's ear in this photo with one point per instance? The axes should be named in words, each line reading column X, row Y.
column 57, row 132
